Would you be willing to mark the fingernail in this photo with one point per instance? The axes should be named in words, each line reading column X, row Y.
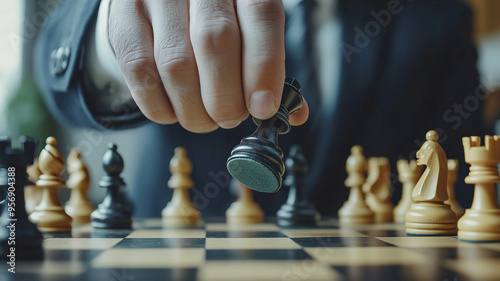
column 229, row 124
column 262, row 104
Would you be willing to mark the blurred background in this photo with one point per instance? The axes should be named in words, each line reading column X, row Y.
column 22, row 111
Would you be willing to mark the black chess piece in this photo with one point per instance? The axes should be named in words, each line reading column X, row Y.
column 113, row 212
column 257, row 162
column 297, row 211
column 4, row 143
column 20, row 239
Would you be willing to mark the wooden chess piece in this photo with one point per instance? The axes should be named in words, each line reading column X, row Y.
column 429, row 215
column 377, row 189
column 355, row 210
column 114, row 211
column 257, row 161
column 408, row 173
column 180, row 210
column 452, row 179
column 20, row 239
column 245, row 209
column 481, row 223
column 49, row 215
column 297, row 211
column 32, row 194
column 78, row 206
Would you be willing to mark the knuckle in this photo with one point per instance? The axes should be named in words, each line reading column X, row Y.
column 264, row 10
column 172, row 60
column 227, row 111
column 134, row 60
column 160, row 116
column 216, row 35
column 199, row 126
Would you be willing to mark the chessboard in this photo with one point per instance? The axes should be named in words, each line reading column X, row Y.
column 216, row 250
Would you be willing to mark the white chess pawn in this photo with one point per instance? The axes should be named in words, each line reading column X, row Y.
column 408, row 173
column 377, row 189
column 49, row 215
column 452, row 179
column 78, row 206
column 245, row 209
column 180, row 210
column 355, row 210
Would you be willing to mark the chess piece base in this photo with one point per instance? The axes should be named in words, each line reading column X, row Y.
column 431, row 218
column 298, row 215
column 457, row 209
column 355, row 210
column 79, row 211
column 242, row 212
column 385, row 216
column 399, row 213
column 52, row 219
column 180, row 214
column 119, row 217
column 479, row 226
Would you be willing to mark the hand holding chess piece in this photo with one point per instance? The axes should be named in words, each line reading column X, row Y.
column 245, row 209
column 408, row 173
column 257, row 162
column 180, row 210
column 49, row 215
column 78, row 206
column 377, row 189
column 429, row 215
column 481, row 223
column 355, row 210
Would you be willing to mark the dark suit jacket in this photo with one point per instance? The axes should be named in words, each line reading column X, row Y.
column 416, row 72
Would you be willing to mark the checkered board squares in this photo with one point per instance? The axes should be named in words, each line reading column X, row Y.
column 219, row 251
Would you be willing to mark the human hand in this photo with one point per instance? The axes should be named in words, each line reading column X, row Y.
column 202, row 63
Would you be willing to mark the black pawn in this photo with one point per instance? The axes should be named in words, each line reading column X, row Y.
column 296, row 211
column 20, row 239
column 257, row 162
column 113, row 212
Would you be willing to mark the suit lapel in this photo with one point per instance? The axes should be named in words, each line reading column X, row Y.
column 360, row 73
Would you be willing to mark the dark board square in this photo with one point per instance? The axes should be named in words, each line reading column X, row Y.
column 71, row 255
column 463, row 253
column 288, row 254
column 244, row 234
column 385, row 233
column 340, row 242
column 161, row 243
column 57, row 235
column 423, row 272
column 139, row 274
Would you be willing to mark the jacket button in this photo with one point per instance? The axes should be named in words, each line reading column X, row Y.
column 59, row 60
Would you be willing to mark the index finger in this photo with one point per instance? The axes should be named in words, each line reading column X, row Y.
column 262, row 25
